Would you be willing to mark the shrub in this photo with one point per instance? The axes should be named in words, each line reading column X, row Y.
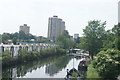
column 6, row 58
column 107, row 63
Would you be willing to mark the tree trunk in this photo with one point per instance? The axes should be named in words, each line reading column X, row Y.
column 91, row 54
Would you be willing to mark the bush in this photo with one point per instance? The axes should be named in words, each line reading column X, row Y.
column 24, row 55
column 107, row 63
column 6, row 58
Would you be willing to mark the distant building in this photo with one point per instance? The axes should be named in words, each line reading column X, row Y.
column 55, row 27
column 71, row 37
column 119, row 12
column 40, row 38
column 76, row 36
column 25, row 29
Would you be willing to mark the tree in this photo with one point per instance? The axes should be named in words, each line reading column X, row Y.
column 93, row 36
column 22, row 35
column 14, row 40
column 66, row 34
column 109, row 40
column 25, row 37
column 5, row 36
column 116, row 32
column 118, row 37
column 64, row 40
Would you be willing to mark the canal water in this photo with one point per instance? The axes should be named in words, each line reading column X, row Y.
column 52, row 67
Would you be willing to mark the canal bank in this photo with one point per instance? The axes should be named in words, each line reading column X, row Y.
column 26, row 56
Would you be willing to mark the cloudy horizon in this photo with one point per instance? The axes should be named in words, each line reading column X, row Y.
column 35, row 13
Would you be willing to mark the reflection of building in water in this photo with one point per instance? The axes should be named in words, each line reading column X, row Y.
column 51, row 69
column 10, row 73
column 14, row 72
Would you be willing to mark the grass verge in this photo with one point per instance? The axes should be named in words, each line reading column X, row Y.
column 92, row 73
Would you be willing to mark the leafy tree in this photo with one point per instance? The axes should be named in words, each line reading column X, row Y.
column 25, row 37
column 64, row 40
column 116, row 32
column 109, row 40
column 14, row 40
column 83, row 43
column 15, row 35
column 118, row 37
column 93, row 36
column 22, row 35
column 5, row 36
column 66, row 34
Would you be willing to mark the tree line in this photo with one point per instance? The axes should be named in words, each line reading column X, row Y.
column 103, row 46
column 17, row 36
column 96, row 38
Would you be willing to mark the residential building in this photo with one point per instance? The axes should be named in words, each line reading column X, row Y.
column 56, row 26
column 119, row 12
column 25, row 29
column 76, row 36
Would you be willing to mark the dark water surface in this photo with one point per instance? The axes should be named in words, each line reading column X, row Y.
column 52, row 67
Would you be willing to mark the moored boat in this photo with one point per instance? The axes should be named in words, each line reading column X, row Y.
column 82, row 65
column 73, row 73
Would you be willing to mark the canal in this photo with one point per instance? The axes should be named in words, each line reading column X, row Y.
column 52, row 67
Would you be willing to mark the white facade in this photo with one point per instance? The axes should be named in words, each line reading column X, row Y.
column 25, row 29
column 14, row 49
column 55, row 27
column 119, row 12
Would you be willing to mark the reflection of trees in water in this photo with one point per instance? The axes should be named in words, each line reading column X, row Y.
column 57, row 66
column 21, row 70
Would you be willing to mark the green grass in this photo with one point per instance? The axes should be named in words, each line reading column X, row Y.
column 92, row 73
column 74, row 74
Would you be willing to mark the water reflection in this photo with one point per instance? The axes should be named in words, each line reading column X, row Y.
column 52, row 65
column 57, row 66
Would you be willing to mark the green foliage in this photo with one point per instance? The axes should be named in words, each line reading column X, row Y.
column 92, row 73
column 75, row 74
column 5, row 36
column 6, row 58
column 52, row 51
column 117, row 42
column 14, row 36
column 93, row 36
column 66, row 34
column 116, row 32
column 83, row 43
column 109, row 40
column 107, row 63
column 25, row 56
column 14, row 40
column 23, row 36
column 64, row 41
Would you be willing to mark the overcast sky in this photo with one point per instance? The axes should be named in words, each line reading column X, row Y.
column 75, row 13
